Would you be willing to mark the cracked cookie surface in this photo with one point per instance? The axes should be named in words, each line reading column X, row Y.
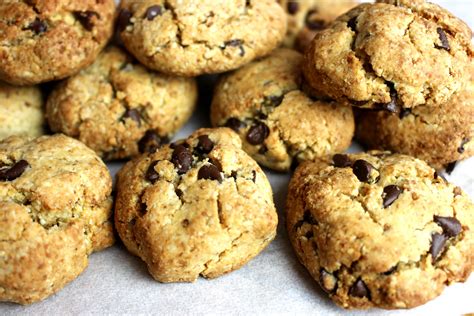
column 200, row 206
column 119, row 108
column 56, row 209
column 380, row 230
column 279, row 123
column 391, row 57
column 44, row 40
column 21, row 111
column 191, row 37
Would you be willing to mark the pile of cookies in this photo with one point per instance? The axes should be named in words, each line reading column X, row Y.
column 374, row 229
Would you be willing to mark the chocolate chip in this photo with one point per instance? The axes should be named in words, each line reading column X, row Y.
column 185, row 223
column 179, row 193
column 258, row 133
column 444, row 40
column 328, row 281
column 437, row 244
column 341, row 161
column 390, row 194
column 38, row 26
column 309, row 234
column 209, row 172
column 404, row 112
column 362, row 169
column 450, row 225
column 86, row 18
column 352, row 24
column 464, row 141
column 150, row 142
column 450, row 167
column 359, row 289
column 151, row 174
column 254, row 176
column 205, row 144
column 123, row 19
column 153, row 11
column 308, row 218
column 292, row 7
column 233, row 174
column 182, row 159
column 15, row 171
column 235, row 124
column 134, row 115
column 391, row 106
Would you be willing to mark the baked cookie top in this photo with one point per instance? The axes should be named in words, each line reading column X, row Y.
column 278, row 122
column 200, row 206
column 192, row 37
column 44, row 40
column 119, row 108
column 391, row 57
column 380, row 230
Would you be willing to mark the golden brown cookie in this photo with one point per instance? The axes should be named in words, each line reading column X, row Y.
column 44, row 40
column 119, row 108
column 200, row 206
column 380, row 230
column 191, row 37
column 55, row 209
column 279, row 123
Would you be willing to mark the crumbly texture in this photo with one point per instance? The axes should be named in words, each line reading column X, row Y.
column 387, row 56
column 203, row 207
column 390, row 236
column 21, row 111
column 268, row 93
column 191, row 37
column 440, row 136
column 55, row 211
column 306, row 17
column 44, row 40
column 111, row 105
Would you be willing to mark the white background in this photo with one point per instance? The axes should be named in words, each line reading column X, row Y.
column 273, row 283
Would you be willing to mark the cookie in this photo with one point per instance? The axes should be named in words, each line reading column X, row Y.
column 21, row 111
column 191, row 38
column 277, row 121
column 441, row 135
column 306, row 17
column 391, row 57
column 200, row 206
column 51, row 39
column 55, row 207
column 380, row 230
column 119, row 108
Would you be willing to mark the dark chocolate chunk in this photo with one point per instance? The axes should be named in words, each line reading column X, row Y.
column 450, row 225
column 309, row 234
column 235, row 124
column 86, row 18
column 205, row 145
column 359, row 289
column 341, row 161
column 292, row 7
column 391, row 106
column 328, row 281
column 151, row 174
column 362, row 169
column 123, row 19
column 464, row 141
column 134, row 115
column 437, row 244
column 182, row 159
column 150, row 142
column 13, row 172
column 308, row 218
column 352, row 24
column 153, row 11
column 38, row 26
column 444, row 40
column 390, row 194
column 178, row 192
column 209, row 172
column 258, row 133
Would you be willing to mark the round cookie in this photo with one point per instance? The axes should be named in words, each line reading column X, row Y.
column 380, row 230
column 200, row 206
column 306, row 17
column 191, row 38
column 391, row 57
column 21, row 111
column 51, row 39
column 441, row 135
column 279, row 123
column 56, row 209
column 119, row 108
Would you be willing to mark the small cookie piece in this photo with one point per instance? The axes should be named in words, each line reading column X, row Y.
column 279, row 123
column 440, row 135
column 56, row 209
column 51, row 39
column 200, row 206
column 119, row 108
column 21, row 111
column 380, row 230
column 306, row 17
column 391, row 57
column 191, row 38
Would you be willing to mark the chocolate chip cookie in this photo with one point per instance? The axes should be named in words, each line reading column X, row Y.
column 44, row 40
column 380, row 230
column 21, row 111
column 277, row 121
column 199, row 206
column 119, row 108
column 190, row 38
column 55, row 207
column 306, row 17
column 391, row 57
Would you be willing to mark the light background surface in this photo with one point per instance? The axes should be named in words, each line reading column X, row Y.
column 273, row 283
